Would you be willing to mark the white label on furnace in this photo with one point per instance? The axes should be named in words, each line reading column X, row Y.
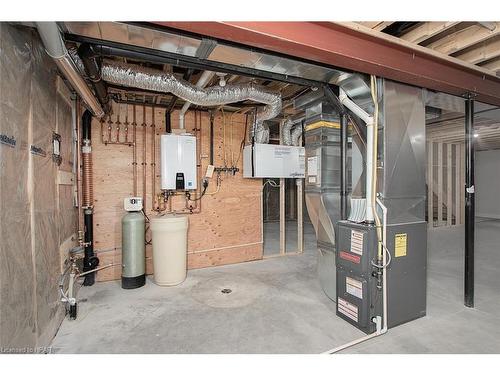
column 357, row 242
column 347, row 309
column 312, row 166
column 354, row 287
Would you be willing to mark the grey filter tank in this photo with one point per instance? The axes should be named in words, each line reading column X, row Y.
column 133, row 250
column 402, row 189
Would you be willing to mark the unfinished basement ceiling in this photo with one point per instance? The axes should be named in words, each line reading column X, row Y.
column 476, row 43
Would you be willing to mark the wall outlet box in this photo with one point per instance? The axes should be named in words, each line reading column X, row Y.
column 210, row 171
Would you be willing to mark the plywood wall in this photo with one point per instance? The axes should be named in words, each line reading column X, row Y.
column 228, row 229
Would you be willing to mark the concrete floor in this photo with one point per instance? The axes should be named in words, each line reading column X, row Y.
column 277, row 306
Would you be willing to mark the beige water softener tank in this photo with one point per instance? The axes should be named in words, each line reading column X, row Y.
column 169, row 249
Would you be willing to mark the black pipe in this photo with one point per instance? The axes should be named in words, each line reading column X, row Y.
column 90, row 261
column 469, row 203
column 168, row 121
column 108, row 48
column 89, row 59
column 211, row 138
column 343, row 166
column 86, row 125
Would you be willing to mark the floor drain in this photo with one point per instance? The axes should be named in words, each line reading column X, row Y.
column 226, row 291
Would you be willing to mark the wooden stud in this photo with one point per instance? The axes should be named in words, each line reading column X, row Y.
column 430, row 184
column 440, row 184
column 282, row 217
column 449, row 195
column 300, row 216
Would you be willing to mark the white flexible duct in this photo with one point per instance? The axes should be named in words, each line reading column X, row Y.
column 55, row 48
column 206, row 76
column 368, row 120
column 154, row 80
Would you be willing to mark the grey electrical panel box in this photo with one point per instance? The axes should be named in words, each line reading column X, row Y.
column 358, row 298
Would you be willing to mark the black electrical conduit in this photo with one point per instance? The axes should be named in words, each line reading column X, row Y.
column 90, row 261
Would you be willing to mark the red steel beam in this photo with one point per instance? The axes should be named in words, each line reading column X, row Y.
column 346, row 47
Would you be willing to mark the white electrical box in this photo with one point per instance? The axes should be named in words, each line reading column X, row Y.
column 273, row 161
column 178, row 162
column 132, row 204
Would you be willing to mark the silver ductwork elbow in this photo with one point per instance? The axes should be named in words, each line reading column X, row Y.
column 296, row 133
column 154, row 80
column 55, row 48
column 286, row 137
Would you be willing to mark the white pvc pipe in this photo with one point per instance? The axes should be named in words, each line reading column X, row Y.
column 206, row 76
column 384, row 263
column 368, row 120
column 356, row 109
column 55, row 48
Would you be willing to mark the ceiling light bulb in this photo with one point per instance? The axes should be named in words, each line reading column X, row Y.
column 476, row 135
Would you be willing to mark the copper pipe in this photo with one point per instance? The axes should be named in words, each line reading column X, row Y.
column 134, row 151
column 109, row 129
column 88, row 191
column 126, row 124
column 144, row 137
column 78, row 165
column 118, row 127
column 153, row 158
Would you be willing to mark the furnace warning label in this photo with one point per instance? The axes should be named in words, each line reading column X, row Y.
column 312, row 166
column 357, row 242
column 400, row 244
column 347, row 309
column 354, row 287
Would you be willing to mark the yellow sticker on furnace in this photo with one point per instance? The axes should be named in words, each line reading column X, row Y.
column 400, row 244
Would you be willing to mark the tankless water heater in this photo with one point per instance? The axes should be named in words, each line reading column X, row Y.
column 178, row 162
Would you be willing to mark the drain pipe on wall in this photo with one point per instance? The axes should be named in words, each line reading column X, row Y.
column 90, row 261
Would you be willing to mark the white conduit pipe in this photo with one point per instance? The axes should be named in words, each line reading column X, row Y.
column 205, row 78
column 368, row 120
column 55, row 48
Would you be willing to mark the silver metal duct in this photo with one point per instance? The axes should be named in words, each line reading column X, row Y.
column 286, row 136
column 154, row 80
column 296, row 133
column 55, row 48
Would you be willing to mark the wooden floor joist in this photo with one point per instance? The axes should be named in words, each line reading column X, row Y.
column 426, row 30
column 463, row 39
